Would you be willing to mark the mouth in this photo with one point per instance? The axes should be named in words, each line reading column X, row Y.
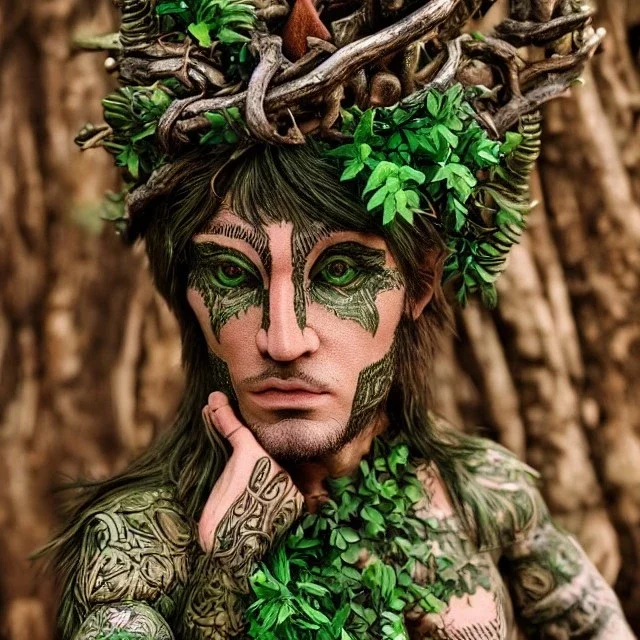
column 275, row 393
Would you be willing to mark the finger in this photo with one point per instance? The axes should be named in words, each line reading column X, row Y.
column 223, row 417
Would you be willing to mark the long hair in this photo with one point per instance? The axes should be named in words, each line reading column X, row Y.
column 265, row 183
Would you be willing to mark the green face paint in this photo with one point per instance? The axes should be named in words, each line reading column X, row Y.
column 347, row 279
column 228, row 281
column 372, row 388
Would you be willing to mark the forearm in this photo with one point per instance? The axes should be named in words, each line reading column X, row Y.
column 124, row 621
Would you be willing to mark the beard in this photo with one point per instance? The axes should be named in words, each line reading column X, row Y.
column 295, row 439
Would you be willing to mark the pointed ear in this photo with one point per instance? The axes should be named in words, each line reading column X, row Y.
column 430, row 276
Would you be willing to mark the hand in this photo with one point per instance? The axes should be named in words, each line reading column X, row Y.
column 254, row 500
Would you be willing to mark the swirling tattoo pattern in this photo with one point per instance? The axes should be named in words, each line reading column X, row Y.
column 266, row 509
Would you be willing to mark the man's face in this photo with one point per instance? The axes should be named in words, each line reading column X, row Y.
column 302, row 322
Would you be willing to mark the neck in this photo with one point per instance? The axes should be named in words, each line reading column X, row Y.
column 310, row 477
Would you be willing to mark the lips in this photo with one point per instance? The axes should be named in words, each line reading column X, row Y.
column 276, row 393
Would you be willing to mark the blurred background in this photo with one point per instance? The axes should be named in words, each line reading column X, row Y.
column 90, row 356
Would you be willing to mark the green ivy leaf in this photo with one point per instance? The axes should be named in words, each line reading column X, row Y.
column 200, row 31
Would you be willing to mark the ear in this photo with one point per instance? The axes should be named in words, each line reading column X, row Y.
column 430, row 274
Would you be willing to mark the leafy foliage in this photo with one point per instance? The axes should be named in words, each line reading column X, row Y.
column 227, row 127
column 225, row 21
column 433, row 158
column 346, row 573
column 133, row 114
column 122, row 635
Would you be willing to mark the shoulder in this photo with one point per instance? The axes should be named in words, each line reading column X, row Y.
column 136, row 545
column 502, row 492
column 494, row 492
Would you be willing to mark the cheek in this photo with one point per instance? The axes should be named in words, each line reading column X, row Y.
column 348, row 346
column 237, row 336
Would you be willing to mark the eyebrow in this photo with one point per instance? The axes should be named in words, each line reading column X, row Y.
column 256, row 238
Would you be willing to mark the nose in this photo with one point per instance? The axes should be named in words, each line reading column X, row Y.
column 286, row 337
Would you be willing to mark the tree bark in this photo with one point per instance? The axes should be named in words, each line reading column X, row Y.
column 89, row 354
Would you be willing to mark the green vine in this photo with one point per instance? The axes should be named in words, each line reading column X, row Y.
column 346, row 573
column 434, row 159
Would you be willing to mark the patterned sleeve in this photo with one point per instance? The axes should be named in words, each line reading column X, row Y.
column 124, row 620
column 557, row 591
column 132, row 565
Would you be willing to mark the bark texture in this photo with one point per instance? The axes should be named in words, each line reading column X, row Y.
column 89, row 355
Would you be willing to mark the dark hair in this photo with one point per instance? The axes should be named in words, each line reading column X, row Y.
column 265, row 183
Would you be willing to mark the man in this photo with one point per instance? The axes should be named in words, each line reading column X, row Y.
column 300, row 328
column 305, row 273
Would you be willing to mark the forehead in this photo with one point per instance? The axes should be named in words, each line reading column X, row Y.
column 304, row 237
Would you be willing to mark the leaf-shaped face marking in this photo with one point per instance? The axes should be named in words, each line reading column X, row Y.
column 347, row 279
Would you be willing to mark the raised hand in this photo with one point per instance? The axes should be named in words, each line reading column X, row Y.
column 253, row 502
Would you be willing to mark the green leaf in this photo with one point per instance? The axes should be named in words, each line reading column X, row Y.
column 409, row 173
column 364, row 130
column 433, row 103
column 511, row 142
column 133, row 164
column 364, row 151
column 228, row 36
column 352, row 170
column 378, row 198
column 382, row 171
column 413, row 199
column 349, row 534
column 312, row 588
column 401, row 200
column 200, row 32
column 389, row 209
column 343, row 151
column 392, row 184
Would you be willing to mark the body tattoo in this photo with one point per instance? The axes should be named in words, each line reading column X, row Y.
column 136, row 549
column 372, row 388
column 266, row 509
column 134, row 620
column 357, row 301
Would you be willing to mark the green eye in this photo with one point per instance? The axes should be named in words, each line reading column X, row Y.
column 231, row 273
column 338, row 271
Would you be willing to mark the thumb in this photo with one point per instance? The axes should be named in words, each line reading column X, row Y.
column 221, row 415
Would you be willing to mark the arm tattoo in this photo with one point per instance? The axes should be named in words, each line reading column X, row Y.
column 135, row 550
column 265, row 510
column 137, row 619
column 558, row 591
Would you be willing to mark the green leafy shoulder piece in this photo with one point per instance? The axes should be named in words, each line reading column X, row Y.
column 136, row 546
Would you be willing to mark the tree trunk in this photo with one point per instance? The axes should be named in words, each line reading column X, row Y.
column 89, row 354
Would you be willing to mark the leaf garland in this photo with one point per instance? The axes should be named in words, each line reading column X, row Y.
column 346, row 573
column 433, row 158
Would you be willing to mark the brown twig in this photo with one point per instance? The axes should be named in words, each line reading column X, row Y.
column 553, row 86
column 269, row 49
column 526, row 33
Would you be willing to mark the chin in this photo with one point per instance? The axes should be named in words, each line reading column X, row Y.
column 296, row 440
